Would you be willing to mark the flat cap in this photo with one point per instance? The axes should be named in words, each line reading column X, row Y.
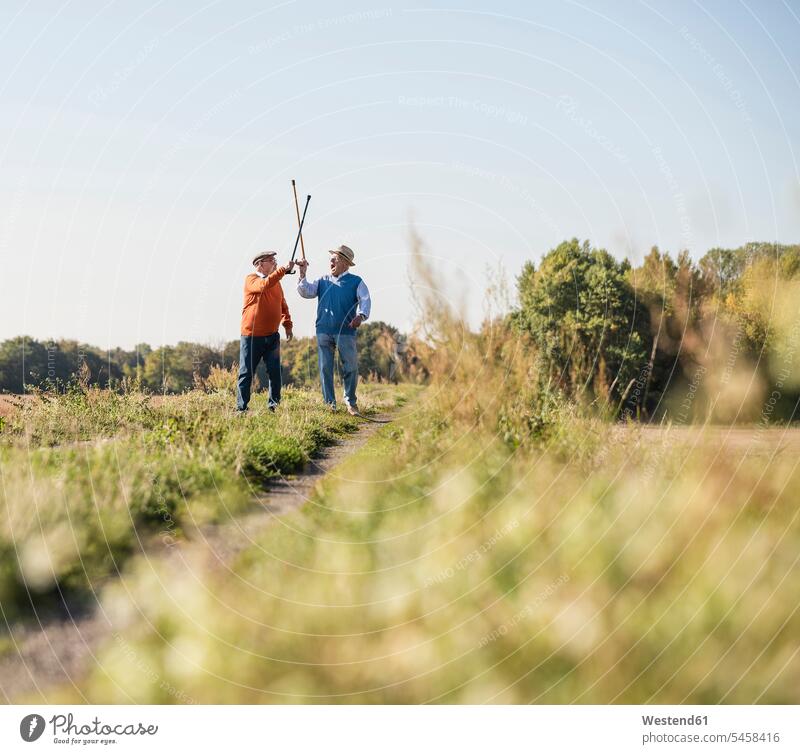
column 263, row 255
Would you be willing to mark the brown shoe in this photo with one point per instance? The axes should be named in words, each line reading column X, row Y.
column 352, row 410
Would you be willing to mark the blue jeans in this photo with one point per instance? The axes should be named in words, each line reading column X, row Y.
column 252, row 349
column 348, row 365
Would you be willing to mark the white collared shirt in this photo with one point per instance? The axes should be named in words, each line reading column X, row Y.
column 309, row 290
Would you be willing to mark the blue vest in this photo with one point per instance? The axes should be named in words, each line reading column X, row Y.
column 337, row 303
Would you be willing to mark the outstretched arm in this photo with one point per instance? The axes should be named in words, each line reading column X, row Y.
column 256, row 284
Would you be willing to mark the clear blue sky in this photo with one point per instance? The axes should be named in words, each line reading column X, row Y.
column 146, row 150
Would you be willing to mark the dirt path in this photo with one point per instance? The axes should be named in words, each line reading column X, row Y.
column 59, row 650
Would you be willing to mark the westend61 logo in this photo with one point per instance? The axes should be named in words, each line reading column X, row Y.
column 32, row 727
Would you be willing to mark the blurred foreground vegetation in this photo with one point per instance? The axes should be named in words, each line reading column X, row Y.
column 557, row 575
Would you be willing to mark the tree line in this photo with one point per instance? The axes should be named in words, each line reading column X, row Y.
column 385, row 354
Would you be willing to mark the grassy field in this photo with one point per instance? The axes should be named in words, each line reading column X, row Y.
column 92, row 477
column 489, row 546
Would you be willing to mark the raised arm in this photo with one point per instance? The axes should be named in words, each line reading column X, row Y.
column 305, row 288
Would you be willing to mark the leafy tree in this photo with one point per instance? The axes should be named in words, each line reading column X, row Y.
column 722, row 269
column 173, row 369
column 378, row 351
column 742, row 285
column 581, row 313
column 23, row 361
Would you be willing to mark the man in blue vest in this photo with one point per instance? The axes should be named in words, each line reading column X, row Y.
column 343, row 304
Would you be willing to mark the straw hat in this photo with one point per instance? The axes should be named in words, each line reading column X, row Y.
column 346, row 253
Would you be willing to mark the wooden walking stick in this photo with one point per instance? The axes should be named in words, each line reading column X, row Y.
column 300, row 221
column 297, row 210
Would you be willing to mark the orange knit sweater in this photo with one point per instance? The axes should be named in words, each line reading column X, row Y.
column 264, row 305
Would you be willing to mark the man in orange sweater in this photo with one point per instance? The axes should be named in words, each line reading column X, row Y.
column 264, row 309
